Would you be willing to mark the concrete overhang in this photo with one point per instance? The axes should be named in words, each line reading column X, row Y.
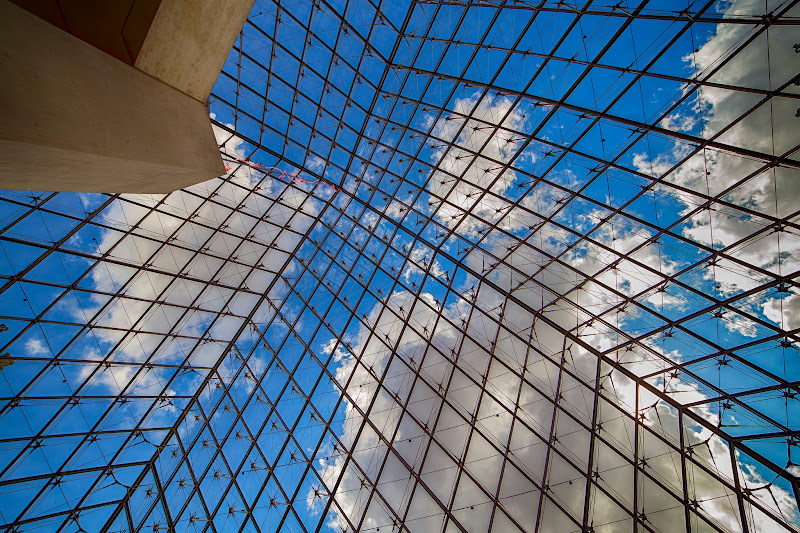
column 78, row 118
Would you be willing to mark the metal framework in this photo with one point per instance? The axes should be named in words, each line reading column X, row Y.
column 490, row 265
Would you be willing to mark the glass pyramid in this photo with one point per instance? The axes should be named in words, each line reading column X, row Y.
column 476, row 265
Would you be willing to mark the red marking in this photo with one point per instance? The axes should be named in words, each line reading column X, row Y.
column 295, row 177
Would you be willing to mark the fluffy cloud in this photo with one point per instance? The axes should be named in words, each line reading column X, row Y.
column 528, row 367
column 768, row 62
column 785, row 311
column 160, row 240
column 485, row 127
column 36, row 347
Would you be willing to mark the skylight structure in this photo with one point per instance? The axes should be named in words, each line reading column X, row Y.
column 474, row 266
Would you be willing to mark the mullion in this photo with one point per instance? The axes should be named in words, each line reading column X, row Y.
column 570, row 149
column 345, row 468
column 473, row 429
column 697, row 142
column 500, row 403
column 287, row 336
column 457, row 411
column 291, row 431
column 626, row 70
column 233, row 295
column 636, row 379
column 653, row 238
column 361, row 134
column 615, row 11
column 598, row 318
column 312, row 352
column 630, row 299
column 267, row 292
column 180, row 419
column 329, row 266
column 321, row 321
column 85, row 381
column 334, row 306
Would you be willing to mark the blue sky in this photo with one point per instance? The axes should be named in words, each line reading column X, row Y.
column 498, row 212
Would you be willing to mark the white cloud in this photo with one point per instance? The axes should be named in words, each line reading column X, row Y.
column 765, row 63
column 402, row 406
column 459, row 176
column 36, row 347
column 785, row 312
column 480, row 352
column 679, row 122
column 315, row 164
column 161, row 240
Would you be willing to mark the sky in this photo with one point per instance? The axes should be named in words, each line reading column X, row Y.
column 471, row 268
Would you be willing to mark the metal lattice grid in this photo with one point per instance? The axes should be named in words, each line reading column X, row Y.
column 475, row 265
